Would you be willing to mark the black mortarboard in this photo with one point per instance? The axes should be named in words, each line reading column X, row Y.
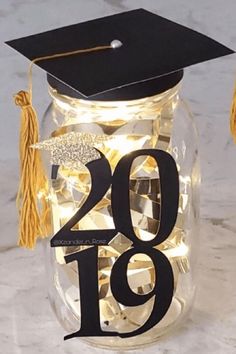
column 154, row 53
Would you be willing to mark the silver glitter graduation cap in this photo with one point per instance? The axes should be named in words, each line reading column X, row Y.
column 72, row 149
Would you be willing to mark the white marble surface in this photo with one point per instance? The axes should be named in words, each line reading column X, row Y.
column 27, row 324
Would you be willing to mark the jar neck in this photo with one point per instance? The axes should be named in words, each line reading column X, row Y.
column 91, row 111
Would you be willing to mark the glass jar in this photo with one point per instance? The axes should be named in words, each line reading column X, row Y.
column 160, row 122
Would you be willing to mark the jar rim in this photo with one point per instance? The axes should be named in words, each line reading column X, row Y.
column 63, row 101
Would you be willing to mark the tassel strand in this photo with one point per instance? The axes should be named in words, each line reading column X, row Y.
column 32, row 176
column 233, row 116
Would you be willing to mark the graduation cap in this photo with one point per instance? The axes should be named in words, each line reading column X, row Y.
column 126, row 56
column 151, row 59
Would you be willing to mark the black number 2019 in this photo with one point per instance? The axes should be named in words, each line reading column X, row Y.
column 87, row 260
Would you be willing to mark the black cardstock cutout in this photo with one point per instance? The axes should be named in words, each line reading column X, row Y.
column 87, row 259
column 101, row 178
column 154, row 53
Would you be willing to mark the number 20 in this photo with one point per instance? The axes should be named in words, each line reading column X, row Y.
column 101, row 180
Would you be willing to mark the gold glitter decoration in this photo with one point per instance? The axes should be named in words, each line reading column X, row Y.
column 72, row 149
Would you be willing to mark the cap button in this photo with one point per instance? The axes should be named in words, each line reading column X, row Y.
column 116, row 44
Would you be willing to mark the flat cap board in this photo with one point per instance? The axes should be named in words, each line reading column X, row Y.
column 153, row 47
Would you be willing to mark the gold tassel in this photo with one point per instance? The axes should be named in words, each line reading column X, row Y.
column 233, row 116
column 35, row 219
column 32, row 180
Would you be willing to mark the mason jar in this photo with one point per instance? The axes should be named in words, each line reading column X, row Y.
column 117, row 128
